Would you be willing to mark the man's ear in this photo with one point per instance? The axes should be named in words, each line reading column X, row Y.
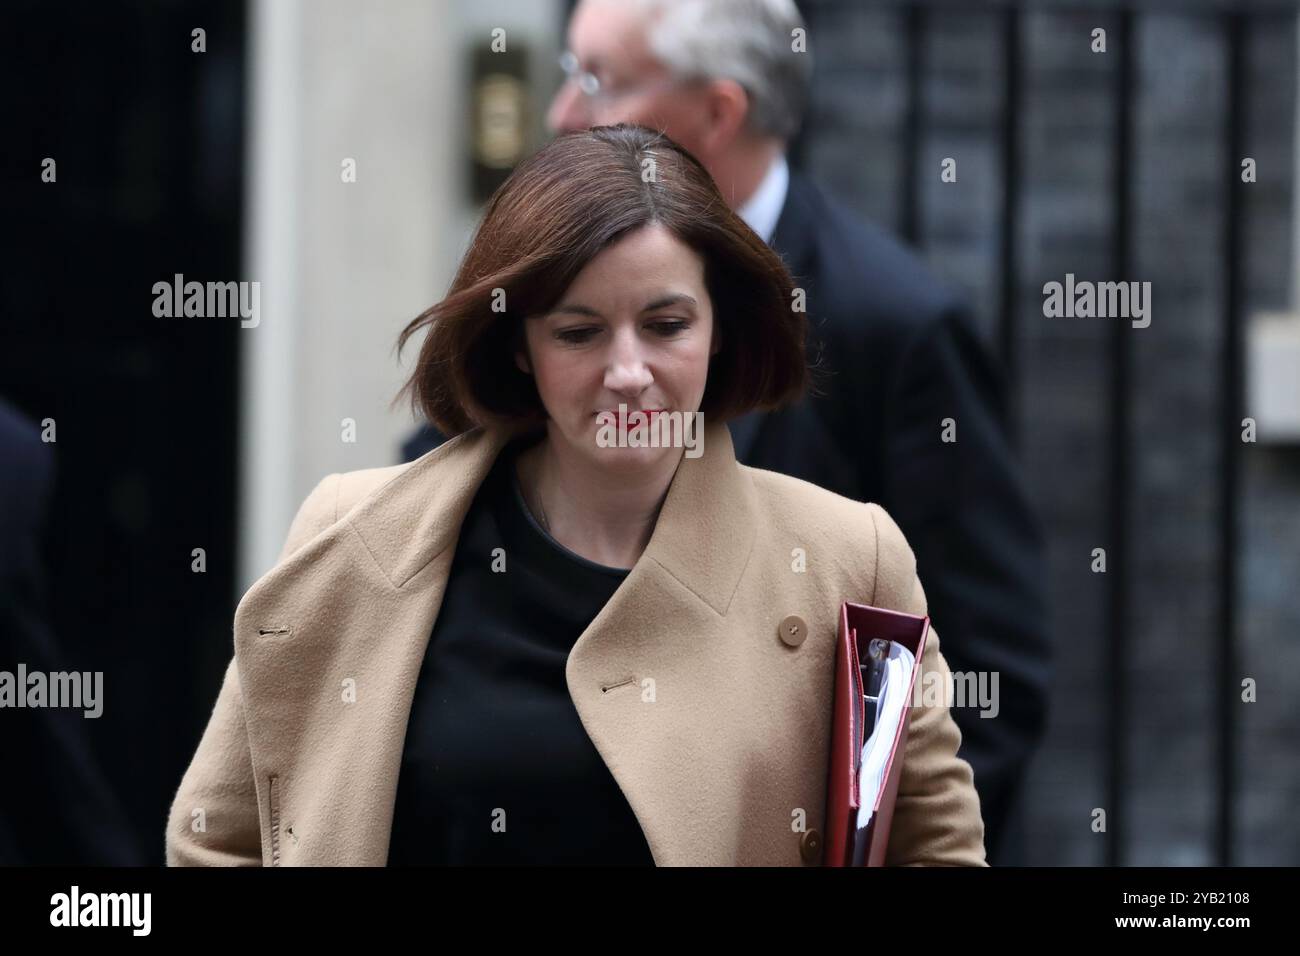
column 726, row 107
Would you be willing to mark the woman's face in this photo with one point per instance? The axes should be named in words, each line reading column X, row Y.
column 635, row 327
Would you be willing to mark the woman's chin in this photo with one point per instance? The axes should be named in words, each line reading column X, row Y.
column 631, row 457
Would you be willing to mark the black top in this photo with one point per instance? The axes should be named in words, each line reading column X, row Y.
column 497, row 767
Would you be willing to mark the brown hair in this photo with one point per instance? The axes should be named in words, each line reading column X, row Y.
column 558, row 209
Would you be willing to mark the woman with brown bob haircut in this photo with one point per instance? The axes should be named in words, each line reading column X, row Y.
column 579, row 631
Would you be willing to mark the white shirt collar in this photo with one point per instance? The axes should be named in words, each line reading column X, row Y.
column 763, row 209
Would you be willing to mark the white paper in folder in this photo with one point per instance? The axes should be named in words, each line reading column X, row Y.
column 889, row 709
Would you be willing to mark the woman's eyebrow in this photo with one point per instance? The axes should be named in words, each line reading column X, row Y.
column 575, row 309
column 675, row 298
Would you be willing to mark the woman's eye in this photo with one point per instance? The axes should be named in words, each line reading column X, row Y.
column 575, row 336
column 581, row 335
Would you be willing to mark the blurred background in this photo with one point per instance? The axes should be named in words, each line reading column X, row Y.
column 225, row 164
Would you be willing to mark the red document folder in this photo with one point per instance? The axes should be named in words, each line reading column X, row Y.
column 859, row 624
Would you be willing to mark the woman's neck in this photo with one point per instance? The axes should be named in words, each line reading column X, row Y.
column 604, row 517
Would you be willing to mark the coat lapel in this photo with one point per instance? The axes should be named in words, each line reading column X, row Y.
column 350, row 614
column 657, row 635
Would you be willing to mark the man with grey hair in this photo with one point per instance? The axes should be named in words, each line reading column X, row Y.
column 729, row 80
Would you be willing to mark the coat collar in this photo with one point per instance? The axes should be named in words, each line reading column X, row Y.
column 795, row 240
column 360, row 600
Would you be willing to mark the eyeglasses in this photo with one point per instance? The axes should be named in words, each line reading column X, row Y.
column 591, row 86
column 587, row 81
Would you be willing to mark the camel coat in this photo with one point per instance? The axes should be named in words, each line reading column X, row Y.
column 714, row 727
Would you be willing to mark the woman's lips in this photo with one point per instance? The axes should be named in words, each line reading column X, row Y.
column 646, row 416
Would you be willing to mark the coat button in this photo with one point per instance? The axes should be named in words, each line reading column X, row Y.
column 793, row 630
column 810, row 846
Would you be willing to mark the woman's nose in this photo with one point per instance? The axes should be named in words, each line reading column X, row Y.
column 627, row 371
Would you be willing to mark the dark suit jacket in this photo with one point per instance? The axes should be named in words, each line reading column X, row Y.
column 899, row 354
column 56, row 806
